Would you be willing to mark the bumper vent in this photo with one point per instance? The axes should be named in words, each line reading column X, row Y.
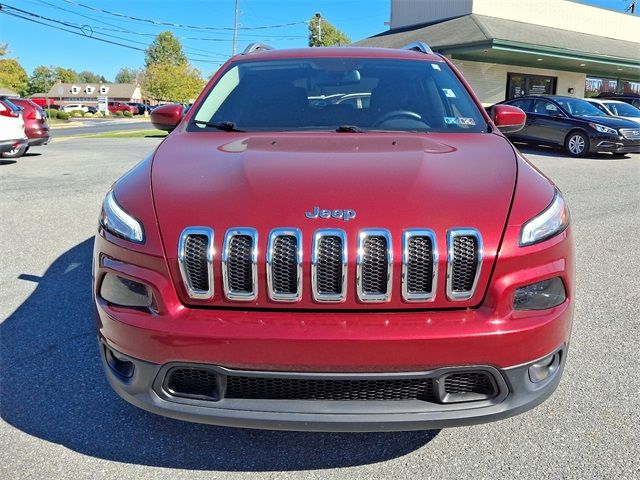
column 284, row 265
column 329, row 266
column 195, row 256
column 239, row 264
column 463, row 263
column 374, row 265
column 214, row 383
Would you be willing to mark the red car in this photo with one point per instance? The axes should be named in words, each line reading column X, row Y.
column 121, row 107
column 280, row 264
column 35, row 122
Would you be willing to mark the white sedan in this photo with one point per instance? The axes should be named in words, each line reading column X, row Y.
column 616, row 108
column 76, row 106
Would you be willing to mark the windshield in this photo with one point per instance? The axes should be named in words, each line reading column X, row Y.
column 348, row 94
column 623, row 109
column 579, row 108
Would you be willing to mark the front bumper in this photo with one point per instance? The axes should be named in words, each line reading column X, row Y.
column 614, row 144
column 516, row 393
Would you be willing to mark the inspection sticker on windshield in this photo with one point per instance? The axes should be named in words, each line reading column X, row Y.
column 435, row 66
column 449, row 93
column 459, row 121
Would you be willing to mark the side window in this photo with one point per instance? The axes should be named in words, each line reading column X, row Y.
column 522, row 104
column 544, row 107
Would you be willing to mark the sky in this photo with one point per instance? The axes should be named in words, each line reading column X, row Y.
column 208, row 45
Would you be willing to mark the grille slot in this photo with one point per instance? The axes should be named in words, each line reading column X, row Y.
column 239, row 264
column 463, row 263
column 329, row 266
column 195, row 256
column 329, row 389
column 419, row 265
column 374, row 265
column 284, row 265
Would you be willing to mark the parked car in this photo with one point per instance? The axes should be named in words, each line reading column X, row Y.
column 574, row 124
column 42, row 102
column 70, row 107
column 277, row 265
column 630, row 98
column 35, row 123
column 141, row 108
column 92, row 109
column 616, row 108
column 120, row 107
column 13, row 139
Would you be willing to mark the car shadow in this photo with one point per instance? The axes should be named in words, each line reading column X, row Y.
column 7, row 161
column 52, row 387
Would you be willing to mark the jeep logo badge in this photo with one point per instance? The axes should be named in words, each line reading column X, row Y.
column 345, row 215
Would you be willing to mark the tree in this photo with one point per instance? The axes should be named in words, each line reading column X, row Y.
column 13, row 76
column 166, row 48
column 129, row 75
column 174, row 83
column 327, row 35
column 89, row 77
column 41, row 80
column 66, row 75
column 4, row 49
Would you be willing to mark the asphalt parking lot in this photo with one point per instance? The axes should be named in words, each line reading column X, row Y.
column 61, row 420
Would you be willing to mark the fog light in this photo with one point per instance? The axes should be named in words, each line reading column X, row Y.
column 545, row 368
column 125, row 292
column 540, row 295
column 118, row 363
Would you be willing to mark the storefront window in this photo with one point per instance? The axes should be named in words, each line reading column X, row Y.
column 595, row 86
column 520, row 84
column 630, row 87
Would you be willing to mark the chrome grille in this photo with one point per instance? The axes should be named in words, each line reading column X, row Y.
column 239, row 264
column 195, row 257
column 463, row 263
column 374, row 265
column 284, row 265
column 329, row 265
column 419, row 265
column 630, row 133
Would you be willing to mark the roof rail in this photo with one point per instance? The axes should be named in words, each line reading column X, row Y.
column 418, row 47
column 256, row 47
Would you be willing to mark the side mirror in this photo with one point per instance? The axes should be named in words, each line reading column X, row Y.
column 508, row 119
column 167, row 117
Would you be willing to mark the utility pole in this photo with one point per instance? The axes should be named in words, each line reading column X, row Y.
column 235, row 28
column 319, row 17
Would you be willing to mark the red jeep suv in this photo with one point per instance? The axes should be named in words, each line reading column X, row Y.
column 283, row 263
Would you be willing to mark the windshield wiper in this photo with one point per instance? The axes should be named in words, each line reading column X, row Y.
column 226, row 126
column 349, row 129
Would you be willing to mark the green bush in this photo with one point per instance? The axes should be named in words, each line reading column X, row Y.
column 88, row 115
column 119, row 113
column 99, row 114
column 77, row 113
column 127, row 113
column 51, row 113
column 63, row 115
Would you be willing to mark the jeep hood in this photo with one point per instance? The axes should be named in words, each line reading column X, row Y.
column 391, row 180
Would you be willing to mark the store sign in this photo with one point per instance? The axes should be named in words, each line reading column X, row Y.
column 102, row 105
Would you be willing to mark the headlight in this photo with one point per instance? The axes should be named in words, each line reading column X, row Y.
column 539, row 296
column 552, row 221
column 603, row 129
column 117, row 221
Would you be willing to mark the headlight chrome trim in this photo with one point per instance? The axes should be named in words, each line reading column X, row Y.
column 130, row 228
column 552, row 221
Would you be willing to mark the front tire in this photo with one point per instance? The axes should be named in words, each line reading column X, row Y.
column 577, row 144
column 15, row 153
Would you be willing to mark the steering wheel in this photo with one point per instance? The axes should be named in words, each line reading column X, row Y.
column 399, row 114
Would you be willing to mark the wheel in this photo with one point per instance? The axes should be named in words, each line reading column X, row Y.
column 15, row 153
column 577, row 144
